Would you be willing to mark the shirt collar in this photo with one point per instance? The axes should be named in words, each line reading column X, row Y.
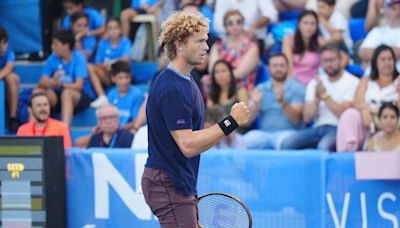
column 178, row 73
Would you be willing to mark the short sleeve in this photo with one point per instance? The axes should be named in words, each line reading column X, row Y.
column 372, row 39
column 311, row 90
column 298, row 95
column 66, row 22
column 47, row 68
column 80, row 70
column 175, row 111
column 10, row 58
column 126, row 46
column 100, row 53
column 136, row 105
column 98, row 19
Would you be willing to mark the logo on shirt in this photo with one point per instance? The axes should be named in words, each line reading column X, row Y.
column 180, row 121
column 227, row 123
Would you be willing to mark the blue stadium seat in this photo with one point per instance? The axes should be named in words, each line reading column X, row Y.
column 143, row 72
column 357, row 29
column 262, row 74
column 355, row 69
column 289, row 15
column 29, row 73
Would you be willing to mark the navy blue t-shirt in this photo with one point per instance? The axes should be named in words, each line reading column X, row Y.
column 174, row 103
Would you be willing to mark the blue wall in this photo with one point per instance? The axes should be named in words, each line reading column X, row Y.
column 281, row 188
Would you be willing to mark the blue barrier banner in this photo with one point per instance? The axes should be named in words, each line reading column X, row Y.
column 281, row 188
column 363, row 203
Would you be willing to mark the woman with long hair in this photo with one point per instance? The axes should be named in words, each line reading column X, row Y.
column 224, row 91
column 302, row 48
column 380, row 87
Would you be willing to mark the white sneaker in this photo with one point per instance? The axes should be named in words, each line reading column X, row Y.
column 100, row 101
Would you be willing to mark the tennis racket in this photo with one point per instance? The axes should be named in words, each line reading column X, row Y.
column 221, row 210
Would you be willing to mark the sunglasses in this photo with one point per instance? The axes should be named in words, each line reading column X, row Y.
column 233, row 22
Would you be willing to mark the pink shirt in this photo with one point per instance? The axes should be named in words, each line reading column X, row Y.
column 305, row 67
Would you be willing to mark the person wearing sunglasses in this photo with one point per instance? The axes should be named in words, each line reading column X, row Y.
column 238, row 50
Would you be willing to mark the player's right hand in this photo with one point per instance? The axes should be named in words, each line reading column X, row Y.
column 241, row 113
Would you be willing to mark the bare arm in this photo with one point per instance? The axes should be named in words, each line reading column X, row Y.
column 287, row 49
column 77, row 85
column 98, row 32
column 248, row 63
column 7, row 69
column 337, row 108
column 213, row 57
column 294, row 112
column 310, row 110
column 192, row 143
column 373, row 14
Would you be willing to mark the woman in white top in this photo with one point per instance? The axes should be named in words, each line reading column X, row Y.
column 389, row 138
column 380, row 87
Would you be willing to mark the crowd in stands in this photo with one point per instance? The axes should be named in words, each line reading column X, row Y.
column 297, row 82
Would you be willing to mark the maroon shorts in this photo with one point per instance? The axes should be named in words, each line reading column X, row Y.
column 172, row 208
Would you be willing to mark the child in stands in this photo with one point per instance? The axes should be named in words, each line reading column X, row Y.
column 10, row 79
column 114, row 48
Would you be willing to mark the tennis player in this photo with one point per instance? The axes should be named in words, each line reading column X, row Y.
column 175, row 115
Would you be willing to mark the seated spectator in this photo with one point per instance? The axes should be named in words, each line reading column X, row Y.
column 301, row 48
column 96, row 21
column 111, row 135
column 83, row 42
column 125, row 97
column 41, row 123
column 138, row 7
column 381, row 86
column 7, row 58
column 387, row 34
column 234, row 140
column 376, row 11
column 333, row 25
column 279, row 103
column 289, row 5
column 224, row 91
column 327, row 97
column 388, row 139
column 237, row 49
column 65, row 78
column 257, row 15
column 110, row 50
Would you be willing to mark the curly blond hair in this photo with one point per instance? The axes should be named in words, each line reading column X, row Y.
column 178, row 28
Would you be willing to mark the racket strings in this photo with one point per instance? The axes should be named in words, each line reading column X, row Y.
column 222, row 211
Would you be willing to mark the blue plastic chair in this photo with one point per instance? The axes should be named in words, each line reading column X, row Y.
column 357, row 29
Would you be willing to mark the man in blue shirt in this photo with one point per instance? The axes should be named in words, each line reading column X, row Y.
column 7, row 59
column 279, row 104
column 65, row 77
column 175, row 115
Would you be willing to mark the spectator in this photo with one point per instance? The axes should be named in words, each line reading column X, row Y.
column 138, row 7
column 289, row 5
column 327, row 97
column 234, row 140
column 389, row 138
column 126, row 97
column 279, row 104
column 257, row 15
column 83, row 42
column 11, row 80
column 41, row 123
column 237, row 49
column 302, row 47
column 387, row 34
column 110, row 50
column 333, row 25
column 96, row 21
column 224, row 91
column 380, row 87
column 111, row 136
column 375, row 13
column 65, row 78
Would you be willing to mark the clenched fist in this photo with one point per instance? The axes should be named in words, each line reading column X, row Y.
column 241, row 113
